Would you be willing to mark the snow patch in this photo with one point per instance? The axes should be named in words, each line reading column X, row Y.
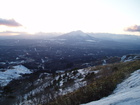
column 90, row 40
column 123, row 58
column 127, row 58
column 104, row 62
column 10, row 74
column 97, row 71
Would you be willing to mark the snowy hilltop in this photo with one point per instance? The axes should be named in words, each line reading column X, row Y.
column 126, row 93
column 14, row 73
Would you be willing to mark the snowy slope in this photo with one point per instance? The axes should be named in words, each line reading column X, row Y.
column 127, row 58
column 126, row 93
column 64, row 82
column 14, row 73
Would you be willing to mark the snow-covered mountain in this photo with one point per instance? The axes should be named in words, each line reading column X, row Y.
column 126, row 93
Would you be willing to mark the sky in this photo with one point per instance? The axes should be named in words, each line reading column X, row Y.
column 104, row 16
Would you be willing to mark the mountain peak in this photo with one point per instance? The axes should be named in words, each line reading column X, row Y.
column 76, row 36
column 78, row 32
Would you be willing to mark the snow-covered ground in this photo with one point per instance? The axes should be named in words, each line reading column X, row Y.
column 127, row 58
column 126, row 93
column 14, row 73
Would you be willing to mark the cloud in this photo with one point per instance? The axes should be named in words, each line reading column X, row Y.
column 9, row 22
column 135, row 28
column 5, row 33
column 9, row 32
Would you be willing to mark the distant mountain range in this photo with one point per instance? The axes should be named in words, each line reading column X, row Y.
column 117, row 37
column 79, row 38
column 74, row 35
column 100, row 40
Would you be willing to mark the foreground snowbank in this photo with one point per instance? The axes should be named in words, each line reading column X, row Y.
column 14, row 73
column 126, row 93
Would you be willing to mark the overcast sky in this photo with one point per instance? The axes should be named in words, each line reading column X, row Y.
column 105, row 16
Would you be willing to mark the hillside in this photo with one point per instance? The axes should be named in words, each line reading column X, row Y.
column 126, row 93
column 102, row 84
column 73, row 87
